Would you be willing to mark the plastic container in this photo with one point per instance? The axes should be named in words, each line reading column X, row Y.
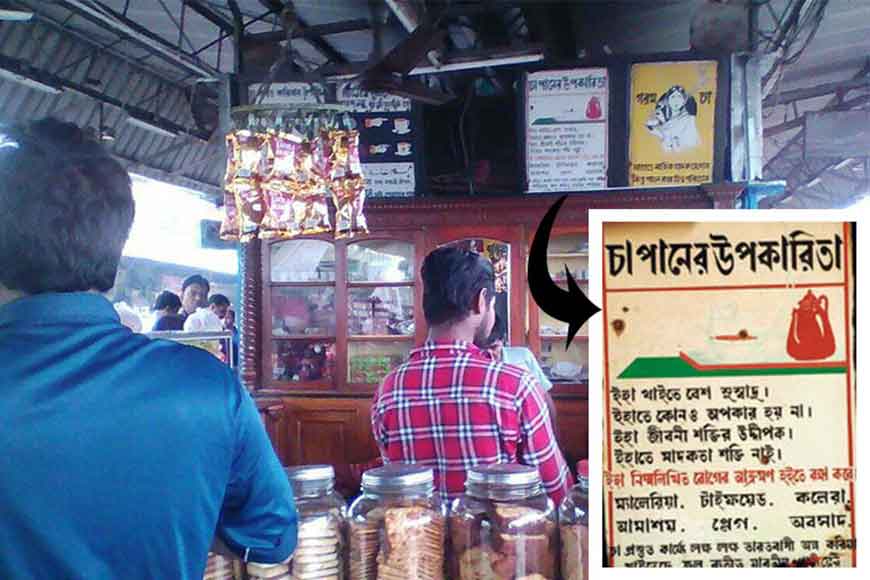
column 504, row 526
column 320, row 550
column 397, row 526
column 574, row 527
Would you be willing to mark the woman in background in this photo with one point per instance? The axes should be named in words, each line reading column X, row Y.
column 167, row 306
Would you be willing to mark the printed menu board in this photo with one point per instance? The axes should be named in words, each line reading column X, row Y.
column 387, row 140
column 729, row 394
column 672, row 122
column 566, row 130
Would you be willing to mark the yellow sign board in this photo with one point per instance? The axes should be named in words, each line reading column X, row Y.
column 672, row 123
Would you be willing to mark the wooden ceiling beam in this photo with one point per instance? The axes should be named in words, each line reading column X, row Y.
column 323, row 47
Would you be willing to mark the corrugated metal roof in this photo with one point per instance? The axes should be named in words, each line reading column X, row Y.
column 197, row 164
column 839, row 51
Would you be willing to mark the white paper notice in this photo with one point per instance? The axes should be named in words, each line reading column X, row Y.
column 566, row 130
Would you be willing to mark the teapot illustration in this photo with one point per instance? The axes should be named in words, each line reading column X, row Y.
column 593, row 109
column 810, row 336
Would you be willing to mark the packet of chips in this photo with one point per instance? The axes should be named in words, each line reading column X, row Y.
column 348, row 185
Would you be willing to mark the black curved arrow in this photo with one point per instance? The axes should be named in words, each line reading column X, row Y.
column 572, row 305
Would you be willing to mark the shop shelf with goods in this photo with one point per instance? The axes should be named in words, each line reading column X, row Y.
column 567, row 369
column 381, row 321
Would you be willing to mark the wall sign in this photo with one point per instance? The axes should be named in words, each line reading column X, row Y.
column 730, row 393
column 286, row 94
column 566, row 130
column 388, row 146
column 672, row 121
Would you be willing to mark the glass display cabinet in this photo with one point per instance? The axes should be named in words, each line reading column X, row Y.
column 339, row 314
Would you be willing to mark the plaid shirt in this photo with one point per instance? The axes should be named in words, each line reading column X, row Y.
column 451, row 407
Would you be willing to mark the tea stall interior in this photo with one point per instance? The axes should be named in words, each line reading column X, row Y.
column 326, row 317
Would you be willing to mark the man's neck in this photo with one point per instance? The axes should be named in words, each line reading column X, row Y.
column 453, row 333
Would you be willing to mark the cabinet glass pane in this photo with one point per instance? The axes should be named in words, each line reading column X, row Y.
column 302, row 361
column 572, row 251
column 499, row 253
column 380, row 311
column 303, row 311
column 369, row 362
column 569, row 366
column 303, row 261
column 380, row 261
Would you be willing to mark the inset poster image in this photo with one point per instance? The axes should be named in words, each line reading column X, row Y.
column 729, row 394
column 673, row 113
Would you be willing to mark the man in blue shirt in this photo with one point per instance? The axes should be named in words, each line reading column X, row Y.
column 122, row 457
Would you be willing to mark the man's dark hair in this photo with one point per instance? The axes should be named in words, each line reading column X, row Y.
column 167, row 299
column 66, row 208
column 218, row 300
column 198, row 280
column 452, row 280
column 499, row 330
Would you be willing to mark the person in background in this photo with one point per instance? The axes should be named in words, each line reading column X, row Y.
column 194, row 294
column 167, row 306
column 451, row 406
column 230, row 324
column 517, row 355
column 219, row 304
column 122, row 456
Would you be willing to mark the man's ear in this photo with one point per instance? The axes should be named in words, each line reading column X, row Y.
column 481, row 303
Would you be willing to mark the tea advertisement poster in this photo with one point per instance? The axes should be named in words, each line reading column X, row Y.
column 566, row 130
column 729, row 394
column 672, row 122
column 387, row 140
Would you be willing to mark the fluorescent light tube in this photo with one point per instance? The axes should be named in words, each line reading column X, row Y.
column 473, row 64
column 29, row 82
column 16, row 15
column 142, row 124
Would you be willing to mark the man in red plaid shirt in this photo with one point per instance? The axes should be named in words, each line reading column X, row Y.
column 452, row 406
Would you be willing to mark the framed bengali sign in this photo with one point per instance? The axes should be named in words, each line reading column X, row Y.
column 389, row 143
column 566, row 130
column 672, row 123
column 729, row 428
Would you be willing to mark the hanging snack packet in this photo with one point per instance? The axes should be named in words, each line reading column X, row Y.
column 348, row 185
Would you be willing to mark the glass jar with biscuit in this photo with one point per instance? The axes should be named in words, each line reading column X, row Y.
column 504, row 526
column 397, row 527
column 574, row 527
column 322, row 512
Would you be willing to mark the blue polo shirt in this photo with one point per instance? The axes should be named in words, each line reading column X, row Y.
column 122, row 457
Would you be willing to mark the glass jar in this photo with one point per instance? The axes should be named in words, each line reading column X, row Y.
column 397, row 526
column 322, row 523
column 220, row 567
column 504, row 526
column 268, row 571
column 574, row 527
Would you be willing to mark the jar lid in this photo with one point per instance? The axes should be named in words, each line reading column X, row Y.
column 503, row 474
column 310, row 473
column 397, row 475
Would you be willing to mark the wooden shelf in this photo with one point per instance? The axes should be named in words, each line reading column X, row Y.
column 324, row 283
column 583, row 338
column 568, row 255
column 405, row 284
column 380, row 337
column 320, row 337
